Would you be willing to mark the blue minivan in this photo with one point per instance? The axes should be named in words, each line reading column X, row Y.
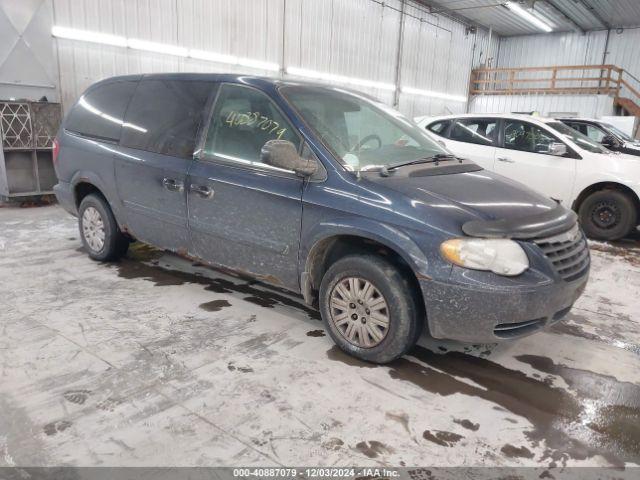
column 322, row 191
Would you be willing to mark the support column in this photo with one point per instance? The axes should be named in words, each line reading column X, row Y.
column 396, row 95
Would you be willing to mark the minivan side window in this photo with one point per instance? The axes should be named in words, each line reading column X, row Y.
column 481, row 131
column 526, row 137
column 439, row 128
column 100, row 112
column 164, row 116
column 243, row 120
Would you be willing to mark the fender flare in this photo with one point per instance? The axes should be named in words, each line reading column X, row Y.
column 83, row 176
column 386, row 235
column 581, row 191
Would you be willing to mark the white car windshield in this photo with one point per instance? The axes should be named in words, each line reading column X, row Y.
column 578, row 138
column 363, row 133
column 618, row 132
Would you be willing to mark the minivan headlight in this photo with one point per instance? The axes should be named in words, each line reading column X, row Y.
column 499, row 255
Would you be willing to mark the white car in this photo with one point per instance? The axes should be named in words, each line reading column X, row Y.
column 548, row 156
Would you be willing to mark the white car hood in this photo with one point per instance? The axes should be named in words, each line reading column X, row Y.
column 634, row 146
column 624, row 167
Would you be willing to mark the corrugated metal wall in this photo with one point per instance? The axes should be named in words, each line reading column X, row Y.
column 594, row 106
column 355, row 38
column 623, row 51
column 437, row 55
column 552, row 49
column 564, row 49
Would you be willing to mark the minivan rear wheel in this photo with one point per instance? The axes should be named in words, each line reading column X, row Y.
column 99, row 230
column 369, row 308
column 607, row 215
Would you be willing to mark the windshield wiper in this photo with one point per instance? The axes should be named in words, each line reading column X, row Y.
column 435, row 159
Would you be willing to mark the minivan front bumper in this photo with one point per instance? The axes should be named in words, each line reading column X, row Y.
column 488, row 314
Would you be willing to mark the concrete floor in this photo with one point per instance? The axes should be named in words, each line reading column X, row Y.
column 155, row 361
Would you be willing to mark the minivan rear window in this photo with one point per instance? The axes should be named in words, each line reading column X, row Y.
column 164, row 116
column 100, row 112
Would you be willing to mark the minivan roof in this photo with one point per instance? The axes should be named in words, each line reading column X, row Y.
column 228, row 77
column 216, row 77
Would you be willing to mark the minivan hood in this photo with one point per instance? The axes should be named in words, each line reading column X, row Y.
column 479, row 195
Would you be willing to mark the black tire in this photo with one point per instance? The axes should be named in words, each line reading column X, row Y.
column 115, row 243
column 405, row 324
column 608, row 215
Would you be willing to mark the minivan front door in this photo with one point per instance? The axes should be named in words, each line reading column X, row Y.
column 243, row 214
column 156, row 149
column 523, row 158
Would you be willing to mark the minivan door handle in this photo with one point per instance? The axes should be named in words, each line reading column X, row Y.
column 172, row 185
column 202, row 190
column 505, row 160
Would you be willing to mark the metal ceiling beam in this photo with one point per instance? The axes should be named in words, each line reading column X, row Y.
column 566, row 15
column 452, row 13
column 587, row 4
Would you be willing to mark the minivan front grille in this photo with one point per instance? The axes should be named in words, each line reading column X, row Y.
column 568, row 253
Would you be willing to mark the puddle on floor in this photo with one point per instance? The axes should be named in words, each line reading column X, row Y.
column 592, row 423
column 144, row 262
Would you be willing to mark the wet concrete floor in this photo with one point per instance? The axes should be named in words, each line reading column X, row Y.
column 156, row 360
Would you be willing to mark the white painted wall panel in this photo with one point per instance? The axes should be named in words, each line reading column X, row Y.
column 552, row 49
column 438, row 55
column 623, row 51
column 354, row 38
column 27, row 63
column 593, row 106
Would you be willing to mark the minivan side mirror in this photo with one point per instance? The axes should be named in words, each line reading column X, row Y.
column 283, row 154
column 609, row 141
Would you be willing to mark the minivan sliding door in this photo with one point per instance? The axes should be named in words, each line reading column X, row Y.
column 156, row 150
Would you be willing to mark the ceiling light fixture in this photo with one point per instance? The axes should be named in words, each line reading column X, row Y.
column 161, row 48
column 528, row 16
column 259, row 64
column 85, row 36
column 432, row 94
column 165, row 48
column 330, row 77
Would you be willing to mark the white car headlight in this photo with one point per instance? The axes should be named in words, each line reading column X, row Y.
column 499, row 255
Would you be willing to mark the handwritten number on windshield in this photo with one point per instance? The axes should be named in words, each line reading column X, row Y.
column 236, row 119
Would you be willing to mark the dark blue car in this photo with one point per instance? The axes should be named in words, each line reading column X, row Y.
column 325, row 192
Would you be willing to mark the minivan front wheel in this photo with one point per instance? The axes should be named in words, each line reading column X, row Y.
column 369, row 308
column 99, row 230
column 607, row 215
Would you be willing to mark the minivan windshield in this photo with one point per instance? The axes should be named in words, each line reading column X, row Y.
column 578, row 138
column 363, row 133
